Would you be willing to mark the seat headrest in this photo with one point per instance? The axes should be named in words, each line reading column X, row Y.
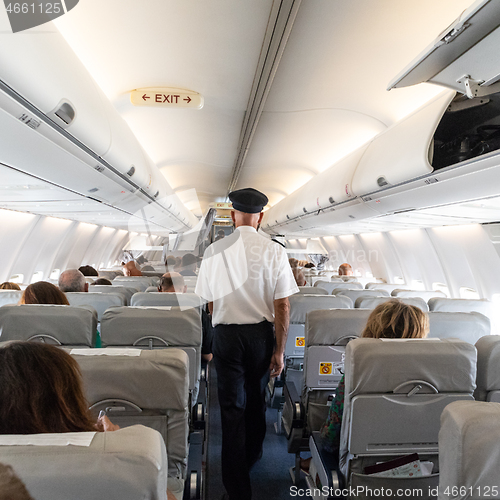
column 99, row 301
column 137, row 379
column 312, row 290
column 482, row 306
column 423, row 294
column 354, row 294
column 328, row 326
column 182, row 300
column 365, row 302
column 10, row 297
column 469, row 446
column 131, row 463
column 381, row 366
column 466, row 326
column 488, row 365
column 126, row 325
column 300, row 305
column 68, row 325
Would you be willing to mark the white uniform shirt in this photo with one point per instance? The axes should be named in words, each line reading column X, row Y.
column 243, row 274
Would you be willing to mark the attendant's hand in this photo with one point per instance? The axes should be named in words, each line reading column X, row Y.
column 104, row 424
column 277, row 365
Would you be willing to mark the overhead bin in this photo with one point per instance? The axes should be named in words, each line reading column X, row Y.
column 464, row 57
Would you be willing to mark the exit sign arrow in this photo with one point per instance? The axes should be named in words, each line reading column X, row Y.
column 166, row 98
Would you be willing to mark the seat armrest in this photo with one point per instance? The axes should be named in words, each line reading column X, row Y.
column 293, row 411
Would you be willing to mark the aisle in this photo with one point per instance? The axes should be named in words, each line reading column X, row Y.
column 270, row 476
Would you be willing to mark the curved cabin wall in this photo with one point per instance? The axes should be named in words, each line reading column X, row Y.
column 399, row 154
column 43, row 69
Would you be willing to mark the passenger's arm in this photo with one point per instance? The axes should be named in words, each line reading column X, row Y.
column 281, row 323
column 211, row 307
column 104, row 424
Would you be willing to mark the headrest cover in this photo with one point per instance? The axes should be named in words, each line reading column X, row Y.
column 68, row 324
column 248, row 200
column 326, row 327
column 10, row 297
column 354, row 294
column 365, row 302
column 379, row 366
column 469, row 447
column 482, row 306
column 182, row 300
column 157, row 379
column 424, row 294
column 131, row 463
column 125, row 325
column 312, row 290
column 488, row 365
column 466, row 326
column 300, row 305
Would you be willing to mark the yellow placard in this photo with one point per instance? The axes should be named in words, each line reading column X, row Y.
column 300, row 341
column 325, row 368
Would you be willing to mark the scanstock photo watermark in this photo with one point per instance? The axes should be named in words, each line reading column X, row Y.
column 26, row 15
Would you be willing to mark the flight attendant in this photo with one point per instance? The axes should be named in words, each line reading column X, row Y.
column 246, row 279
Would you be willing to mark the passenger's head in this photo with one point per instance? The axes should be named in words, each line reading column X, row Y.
column 396, row 320
column 43, row 292
column 88, row 271
column 293, row 262
column 172, row 282
column 189, row 262
column 130, row 269
column 221, row 233
column 298, row 274
column 170, row 262
column 345, row 270
column 309, row 265
column 40, row 390
column 72, row 280
column 248, row 204
column 102, row 281
column 11, row 487
column 7, row 285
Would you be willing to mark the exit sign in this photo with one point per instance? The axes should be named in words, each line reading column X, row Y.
column 166, row 98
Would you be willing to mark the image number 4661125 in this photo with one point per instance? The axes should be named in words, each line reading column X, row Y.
column 24, row 15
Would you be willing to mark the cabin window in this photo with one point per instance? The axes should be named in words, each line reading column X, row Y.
column 441, row 287
column 17, row 278
column 470, row 128
column 468, row 293
column 398, row 280
column 38, row 276
column 54, row 275
column 417, row 285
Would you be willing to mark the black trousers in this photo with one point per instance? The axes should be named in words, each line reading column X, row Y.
column 242, row 355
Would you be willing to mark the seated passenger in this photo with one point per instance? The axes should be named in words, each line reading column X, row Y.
column 102, row 281
column 72, row 280
column 11, row 487
column 188, row 263
column 170, row 263
column 43, row 292
column 309, row 265
column 390, row 320
column 293, row 262
column 41, row 391
column 345, row 270
column 220, row 234
column 88, row 271
column 7, row 285
column 174, row 282
column 298, row 274
column 130, row 269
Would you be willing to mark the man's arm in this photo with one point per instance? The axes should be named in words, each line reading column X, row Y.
column 281, row 323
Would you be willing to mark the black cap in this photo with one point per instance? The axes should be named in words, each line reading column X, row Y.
column 248, row 200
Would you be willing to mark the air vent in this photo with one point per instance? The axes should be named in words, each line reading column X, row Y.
column 352, row 216
column 381, row 181
column 331, row 200
column 156, row 194
column 93, row 190
column 288, row 217
column 65, row 112
column 99, row 168
column 304, row 209
column 131, row 172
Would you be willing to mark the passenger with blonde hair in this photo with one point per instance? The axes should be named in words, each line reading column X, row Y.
column 7, row 285
column 392, row 319
column 43, row 292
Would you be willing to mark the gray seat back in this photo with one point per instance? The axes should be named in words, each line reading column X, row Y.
column 329, row 286
column 469, row 449
column 488, row 369
column 423, row 294
column 151, row 289
column 312, row 290
column 151, row 389
column 300, row 305
column 482, row 306
column 466, row 326
column 10, row 297
column 354, row 294
column 395, row 391
column 128, row 464
column 125, row 291
column 99, row 301
column 139, row 282
column 60, row 325
column 182, row 300
column 386, row 286
column 156, row 327
column 365, row 302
